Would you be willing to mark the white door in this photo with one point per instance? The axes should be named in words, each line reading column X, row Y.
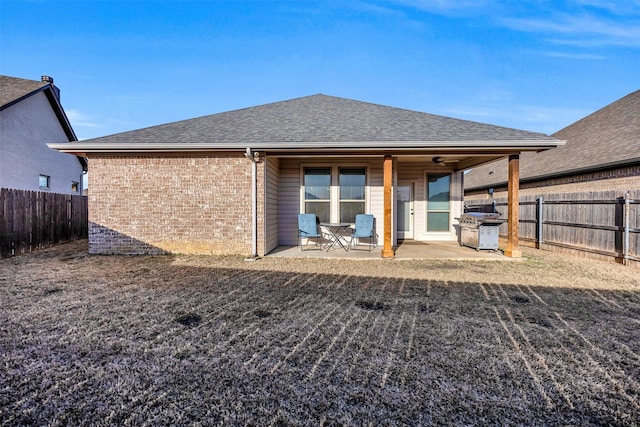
column 404, row 210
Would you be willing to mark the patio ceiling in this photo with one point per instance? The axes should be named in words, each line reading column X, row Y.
column 451, row 161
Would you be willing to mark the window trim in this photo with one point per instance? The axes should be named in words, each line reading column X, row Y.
column 303, row 194
column 48, row 178
column 334, row 193
column 426, row 200
column 340, row 200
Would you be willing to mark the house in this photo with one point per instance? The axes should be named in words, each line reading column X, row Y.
column 30, row 117
column 235, row 182
column 602, row 152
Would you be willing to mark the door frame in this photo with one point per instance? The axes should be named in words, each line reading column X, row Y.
column 410, row 234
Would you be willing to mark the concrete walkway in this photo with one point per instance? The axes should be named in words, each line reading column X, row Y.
column 406, row 250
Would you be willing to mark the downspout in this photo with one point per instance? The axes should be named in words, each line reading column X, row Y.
column 254, row 204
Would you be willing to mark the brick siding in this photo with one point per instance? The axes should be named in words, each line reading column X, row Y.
column 171, row 204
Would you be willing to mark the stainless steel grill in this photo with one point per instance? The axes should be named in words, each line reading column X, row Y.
column 479, row 230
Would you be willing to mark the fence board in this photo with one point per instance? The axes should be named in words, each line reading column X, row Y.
column 591, row 222
column 31, row 220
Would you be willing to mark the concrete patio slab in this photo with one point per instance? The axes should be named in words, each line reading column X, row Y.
column 408, row 249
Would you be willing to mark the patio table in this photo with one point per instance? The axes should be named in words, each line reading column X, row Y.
column 336, row 234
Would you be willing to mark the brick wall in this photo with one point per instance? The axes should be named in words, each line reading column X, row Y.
column 171, row 204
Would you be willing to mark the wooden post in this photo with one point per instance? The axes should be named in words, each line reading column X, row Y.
column 540, row 223
column 387, row 250
column 513, row 201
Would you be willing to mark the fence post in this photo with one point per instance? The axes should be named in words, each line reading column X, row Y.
column 539, row 223
column 626, row 214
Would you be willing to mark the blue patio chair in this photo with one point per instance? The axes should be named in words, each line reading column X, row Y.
column 364, row 229
column 308, row 228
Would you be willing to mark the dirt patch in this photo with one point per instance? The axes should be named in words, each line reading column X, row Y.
column 371, row 305
column 120, row 340
column 262, row 313
column 189, row 319
column 520, row 300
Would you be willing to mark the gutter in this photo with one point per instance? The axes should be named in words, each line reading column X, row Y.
column 293, row 147
column 254, row 157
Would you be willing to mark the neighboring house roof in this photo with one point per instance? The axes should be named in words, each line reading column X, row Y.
column 14, row 90
column 610, row 137
column 314, row 123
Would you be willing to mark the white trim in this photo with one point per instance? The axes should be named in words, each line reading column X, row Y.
column 48, row 178
column 478, row 146
column 426, row 231
column 412, row 188
column 334, row 190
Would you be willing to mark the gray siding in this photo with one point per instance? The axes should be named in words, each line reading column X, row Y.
column 26, row 129
column 289, row 200
column 290, row 188
column 271, row 203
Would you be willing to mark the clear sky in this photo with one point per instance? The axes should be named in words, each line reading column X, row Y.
column 122, row 65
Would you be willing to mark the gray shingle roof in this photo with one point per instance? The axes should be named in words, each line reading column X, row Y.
column 317, row 119
column 13, row 88
column 607, row 137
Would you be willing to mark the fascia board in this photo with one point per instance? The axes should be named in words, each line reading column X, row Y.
column 60, row 114
column 293, row 147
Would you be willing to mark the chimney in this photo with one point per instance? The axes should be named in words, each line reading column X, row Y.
column 49, row 79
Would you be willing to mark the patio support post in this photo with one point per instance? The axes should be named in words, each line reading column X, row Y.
column 513, row 201
column 387, row 250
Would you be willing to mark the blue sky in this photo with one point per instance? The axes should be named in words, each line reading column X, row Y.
column 122, row 65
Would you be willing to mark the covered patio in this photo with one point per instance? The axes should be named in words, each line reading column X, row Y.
column 414, row 195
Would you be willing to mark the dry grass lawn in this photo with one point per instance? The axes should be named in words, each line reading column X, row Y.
column 182, row 340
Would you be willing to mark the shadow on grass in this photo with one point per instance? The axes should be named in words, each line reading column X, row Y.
column 133, row 340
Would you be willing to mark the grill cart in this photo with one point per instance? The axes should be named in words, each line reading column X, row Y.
column 479, row 230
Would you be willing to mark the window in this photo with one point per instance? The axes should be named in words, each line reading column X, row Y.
column 317, row 192
column 44, row 182
column 438, row 202
column 352, row 191
column 75, row 187
column 334, row 194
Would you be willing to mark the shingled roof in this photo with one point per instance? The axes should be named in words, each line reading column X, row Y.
column 318, row 119
column 607, row 138
column 13, row 89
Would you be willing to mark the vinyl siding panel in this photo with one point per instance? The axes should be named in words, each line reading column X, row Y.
column 27, row 127
column 289, row 201
column 376, row 195
column 272, row 186
column 290, row 192
column 457, row 199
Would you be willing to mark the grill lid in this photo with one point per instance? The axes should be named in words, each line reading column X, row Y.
column 479, row 218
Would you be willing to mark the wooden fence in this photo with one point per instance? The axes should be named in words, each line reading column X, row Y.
column 605, row 223
column 31, row 220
